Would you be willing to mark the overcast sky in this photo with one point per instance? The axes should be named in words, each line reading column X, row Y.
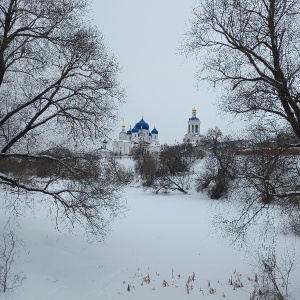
column 160, row 83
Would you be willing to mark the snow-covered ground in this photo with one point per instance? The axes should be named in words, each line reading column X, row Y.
column 168, row 237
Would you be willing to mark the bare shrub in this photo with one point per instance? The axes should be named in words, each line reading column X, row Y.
column 273, row 281
column 59, row 161
column 9, row 245
column 145, row 165
column 220, row 165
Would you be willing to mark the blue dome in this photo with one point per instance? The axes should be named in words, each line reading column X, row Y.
column 129, row 132
column 193, row 118
column 154, row 131
column 134, row 129
column 142, row 125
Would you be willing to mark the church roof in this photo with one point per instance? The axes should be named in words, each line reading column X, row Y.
column 129, row 131
column 142, row 125
column 154, row 131
column 139, row 126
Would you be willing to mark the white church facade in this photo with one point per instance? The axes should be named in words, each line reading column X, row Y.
column 193, row 135
column 140, row 133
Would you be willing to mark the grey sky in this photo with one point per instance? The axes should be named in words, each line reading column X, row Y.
column 160, row 84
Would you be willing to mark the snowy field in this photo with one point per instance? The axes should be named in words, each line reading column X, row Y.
column 151, row 252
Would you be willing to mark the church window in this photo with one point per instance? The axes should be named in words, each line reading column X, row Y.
column 192, row 128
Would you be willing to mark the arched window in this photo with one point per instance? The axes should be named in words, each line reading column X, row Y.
column 189, row 128
column 192, row 128
column 196, row 128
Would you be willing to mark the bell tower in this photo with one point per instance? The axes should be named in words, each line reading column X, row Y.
column 193, row 130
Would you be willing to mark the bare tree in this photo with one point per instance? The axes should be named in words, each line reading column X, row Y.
column 58, row 85
column 178, row 182
column 145, row 165
column 176, row 159
column 251, row 47
column 267, row 177
column 220, row 164
column 174, row 170
column 169, row 170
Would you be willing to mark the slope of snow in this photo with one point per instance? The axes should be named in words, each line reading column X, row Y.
column 167, row 237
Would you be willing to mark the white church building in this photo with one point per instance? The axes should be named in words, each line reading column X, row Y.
column 140, row 133
column 193, row 135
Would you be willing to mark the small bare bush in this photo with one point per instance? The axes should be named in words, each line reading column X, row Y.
column 9, row 245
column 274, row 279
